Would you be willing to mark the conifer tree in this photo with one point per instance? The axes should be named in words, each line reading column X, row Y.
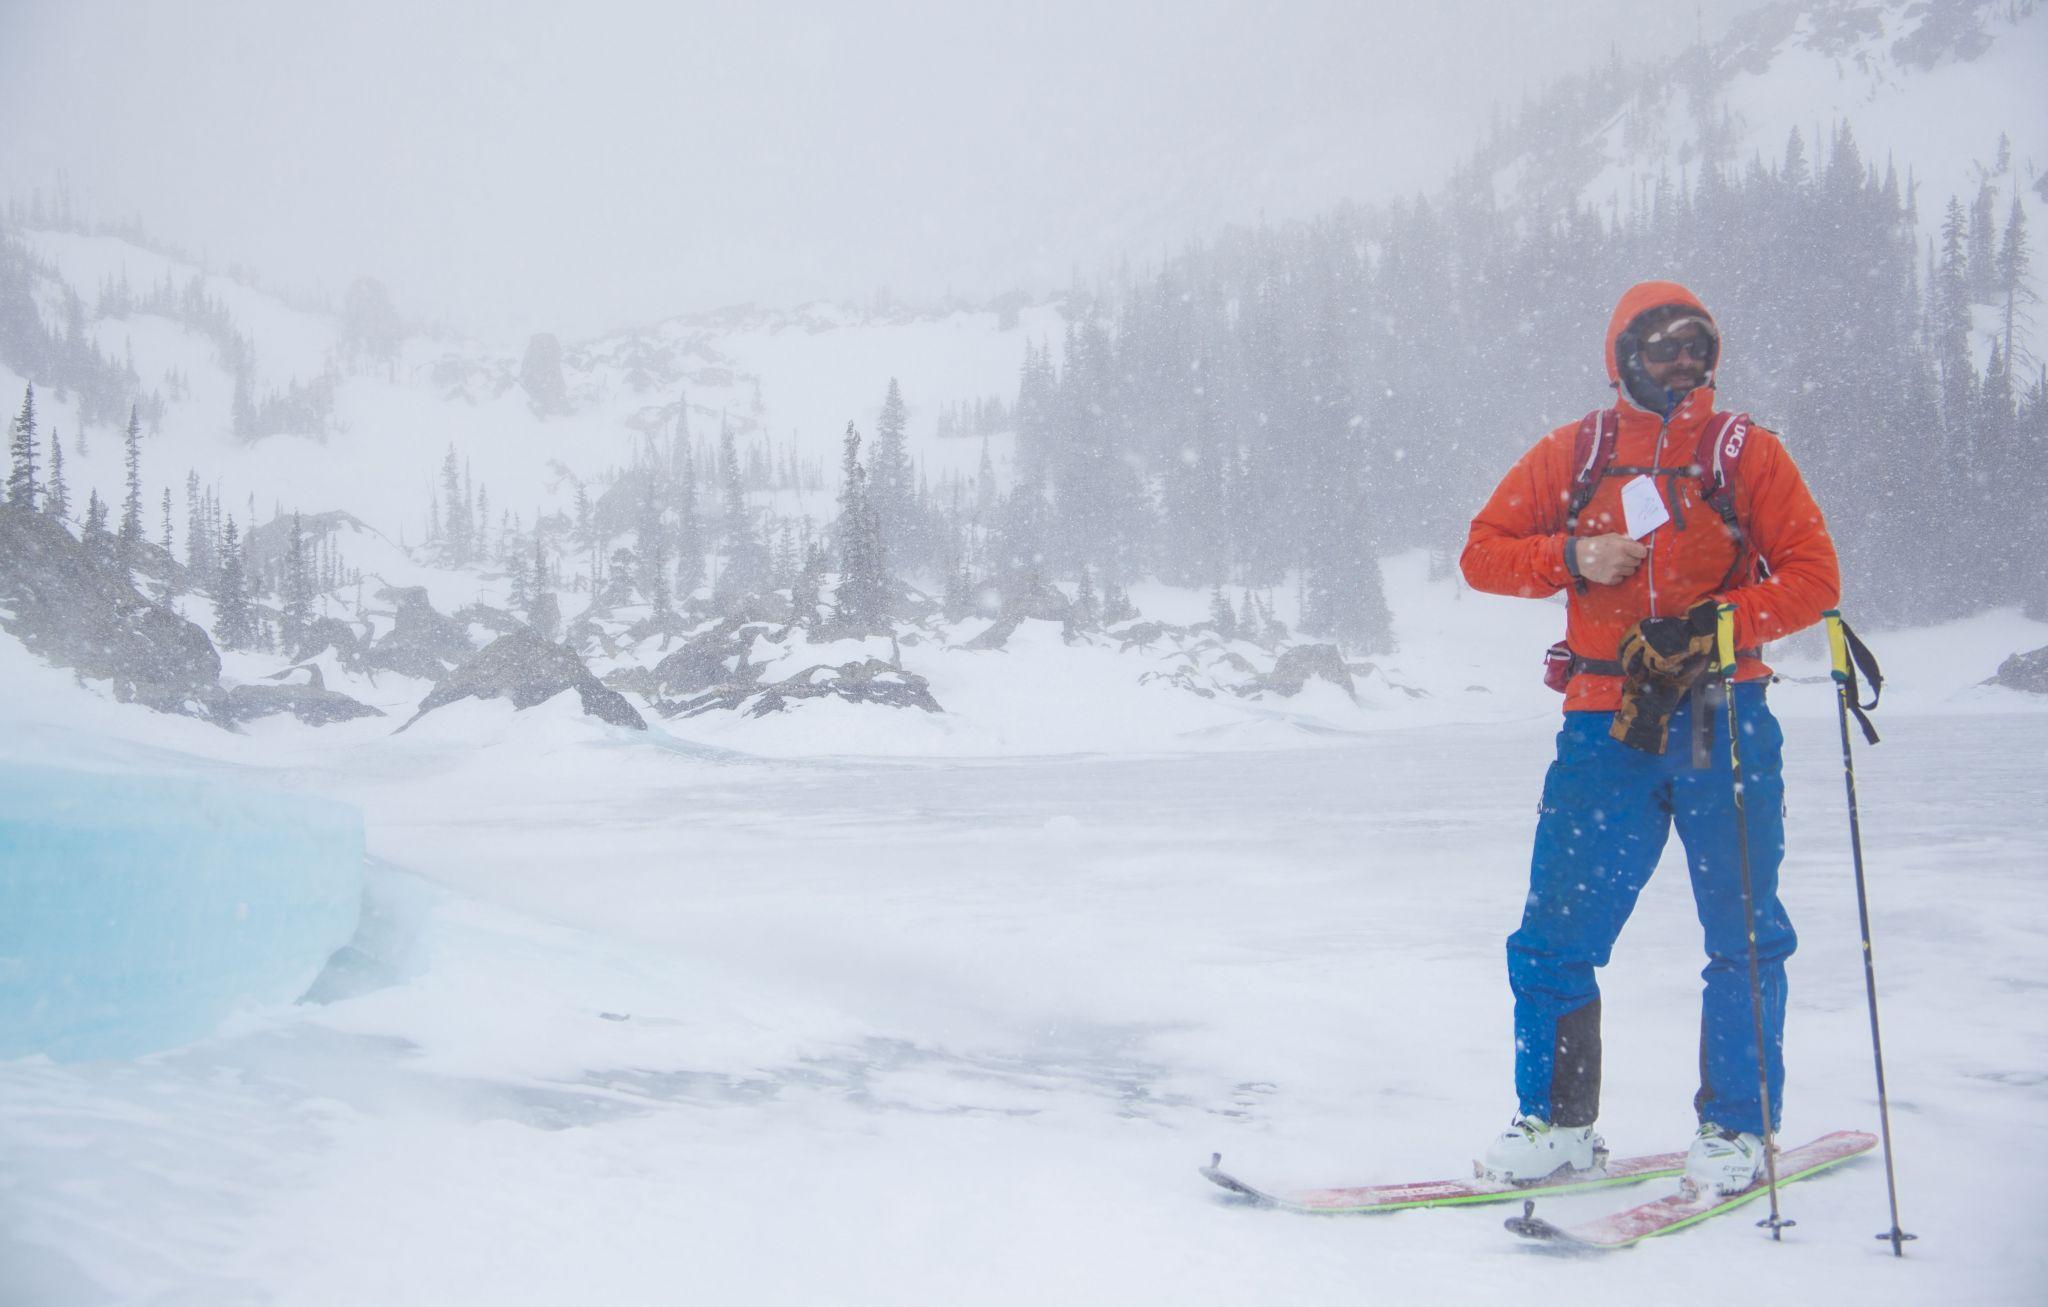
column 689, row 531
column 455, row 526
column 57, row 503
column 1951, row 327
column 806, row 591
column 619, row 580
column 651, row 551
column 862, row 600
column 1086, row 610
column 1983, row 277
column 234, row 622
column 22, row 486
column 586, row 533
column 889, row 486
column 2014, row 264
column 747, row 567
column 131, row 508
column 199, row 534
column 519, row 580
column 1221, row 615
column 95, row 533
column 297, row 615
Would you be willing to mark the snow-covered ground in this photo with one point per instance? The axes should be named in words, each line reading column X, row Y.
column 660, row 1018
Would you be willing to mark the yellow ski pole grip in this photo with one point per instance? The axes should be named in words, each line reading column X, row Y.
column 1724, row 637
column 1838, row 645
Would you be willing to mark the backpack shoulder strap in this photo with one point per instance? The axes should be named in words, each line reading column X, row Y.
column 1592, row 451
column 1719, row 460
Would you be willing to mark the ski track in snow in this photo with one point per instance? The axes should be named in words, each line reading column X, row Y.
column 647, row 1025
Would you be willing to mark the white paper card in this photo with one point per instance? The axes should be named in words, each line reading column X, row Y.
column 1642, row 508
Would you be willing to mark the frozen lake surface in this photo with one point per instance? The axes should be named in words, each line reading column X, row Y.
column 637, row 1021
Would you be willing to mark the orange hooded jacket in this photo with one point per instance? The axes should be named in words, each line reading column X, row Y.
column 1516, row 544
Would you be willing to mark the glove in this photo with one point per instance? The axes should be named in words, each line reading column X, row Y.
column 1661, row 657
column 1671, row 647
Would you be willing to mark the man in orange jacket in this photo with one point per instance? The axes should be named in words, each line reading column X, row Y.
column 1645, row 556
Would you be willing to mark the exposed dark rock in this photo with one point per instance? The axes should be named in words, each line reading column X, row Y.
column 2024, row 671
column 631, row 680
column 1297, row 665
column 718, row 657
column 311, row 704
column 421, row 642
column 495, row 620
column 1186, row 678
column 996, row 636
column 528, row 670
column 1034, row 598
column 266, row 547
column 545, row 617
column 79, row 611
column 667, row 625
column 324, row 633
column 868, row 681
column 1143, row 635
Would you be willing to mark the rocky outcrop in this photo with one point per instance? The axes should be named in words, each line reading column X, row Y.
column 495, row 620
column 421, row 642
column 2024, row 671
column 718, row 657
column 77, row 609
column 312, row 703
column 996, row 636
column 325, row 633
column 1297, row 666
column 868, row 681
column 528, row 670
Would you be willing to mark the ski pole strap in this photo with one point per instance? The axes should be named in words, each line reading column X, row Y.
column 1851, row 656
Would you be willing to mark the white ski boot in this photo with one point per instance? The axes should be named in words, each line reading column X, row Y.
column 1533, row 1149
column 1723, row 1161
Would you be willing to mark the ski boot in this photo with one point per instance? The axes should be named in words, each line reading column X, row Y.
column 1723, row 1161
column 1533, row 1149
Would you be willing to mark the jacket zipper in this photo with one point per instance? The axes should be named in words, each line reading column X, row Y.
column 1650, row 563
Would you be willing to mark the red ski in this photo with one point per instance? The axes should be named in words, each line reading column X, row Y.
column 1364, row 1199
column 1632, row 1225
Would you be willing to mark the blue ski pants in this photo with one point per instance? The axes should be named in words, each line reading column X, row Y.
column 1606, row 814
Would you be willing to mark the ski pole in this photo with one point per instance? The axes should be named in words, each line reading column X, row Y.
column 1725, row 647
column 1842, row 642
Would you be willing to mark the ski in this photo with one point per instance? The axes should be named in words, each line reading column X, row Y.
column 1632, row 1225
column 1364, row 1199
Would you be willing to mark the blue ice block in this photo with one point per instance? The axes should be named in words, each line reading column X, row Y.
column 138, row 911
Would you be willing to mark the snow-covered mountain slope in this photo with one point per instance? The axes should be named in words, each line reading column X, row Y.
column 787, row 382
column 1928, row 87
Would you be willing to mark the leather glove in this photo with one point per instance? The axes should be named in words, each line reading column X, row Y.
column 1671, row 647
column 1661, row 657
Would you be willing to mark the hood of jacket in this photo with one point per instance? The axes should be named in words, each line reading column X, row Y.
column 1636, row 301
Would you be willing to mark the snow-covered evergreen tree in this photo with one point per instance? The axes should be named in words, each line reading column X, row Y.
column 22, row 486
column 234, row 623
column 131, row 507
column 862, row 602
column 57, row 498
column 746, row 569
column 297, row 612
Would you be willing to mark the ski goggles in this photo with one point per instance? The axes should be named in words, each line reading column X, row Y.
column 1666, row 344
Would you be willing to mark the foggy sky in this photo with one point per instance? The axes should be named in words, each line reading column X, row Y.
column 522, row 166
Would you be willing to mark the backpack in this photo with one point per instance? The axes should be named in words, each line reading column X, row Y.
column 1716, row 464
